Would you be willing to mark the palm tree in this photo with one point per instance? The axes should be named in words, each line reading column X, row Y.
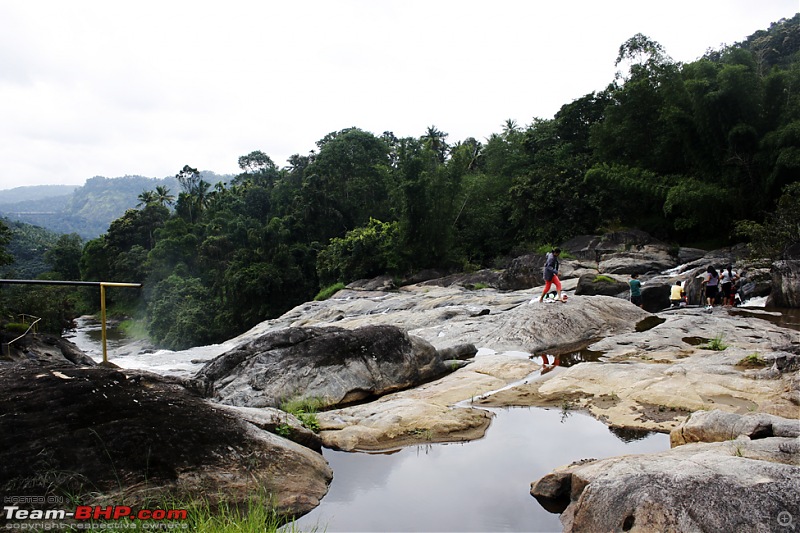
column 510, row 127
column 146, row 198
column 163, row 196
column 435, row 140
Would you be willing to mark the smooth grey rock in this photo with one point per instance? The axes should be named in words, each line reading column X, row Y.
column 719, row 426
column 785, row 284
column 328, row 365
column 593, row 284
column 723, row 486
column 648, row 260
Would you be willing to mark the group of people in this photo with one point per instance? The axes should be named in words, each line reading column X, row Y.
column 718, row 287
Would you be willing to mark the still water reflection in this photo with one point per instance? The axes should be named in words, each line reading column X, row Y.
column 88, row 337
column 482, row 485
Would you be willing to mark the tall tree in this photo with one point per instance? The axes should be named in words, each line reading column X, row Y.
column 64, row 258
column 5, row 238
column 163, row 196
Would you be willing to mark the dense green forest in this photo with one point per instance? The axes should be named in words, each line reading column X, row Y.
column 703, row 153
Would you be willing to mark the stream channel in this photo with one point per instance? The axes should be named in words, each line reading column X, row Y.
column 482, row 485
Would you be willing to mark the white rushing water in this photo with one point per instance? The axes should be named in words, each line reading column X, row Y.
column 127, row 354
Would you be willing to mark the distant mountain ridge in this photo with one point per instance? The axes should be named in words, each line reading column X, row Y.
column 34, row 193
column 87, row 210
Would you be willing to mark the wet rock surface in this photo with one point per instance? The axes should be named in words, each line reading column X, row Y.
column 652, row 379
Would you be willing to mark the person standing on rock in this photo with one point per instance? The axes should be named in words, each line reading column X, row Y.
column 727, row 279
column 711, row 282
column 551, row 266
column 636, row 289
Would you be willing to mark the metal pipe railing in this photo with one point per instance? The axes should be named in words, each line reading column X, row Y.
column 32, row 326
column 101, row 284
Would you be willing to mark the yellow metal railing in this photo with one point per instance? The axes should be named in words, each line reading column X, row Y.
column 101, row 284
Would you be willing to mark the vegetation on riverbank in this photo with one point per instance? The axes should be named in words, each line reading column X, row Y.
column 671, row 148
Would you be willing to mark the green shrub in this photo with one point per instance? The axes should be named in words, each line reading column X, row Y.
column 364, row 252
column 16, row 327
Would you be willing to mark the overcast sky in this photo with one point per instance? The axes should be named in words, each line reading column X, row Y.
column 111, row 88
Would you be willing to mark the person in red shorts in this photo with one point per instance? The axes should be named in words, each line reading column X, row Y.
column 551, row 273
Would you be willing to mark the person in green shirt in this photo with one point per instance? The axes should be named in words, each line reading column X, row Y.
column 636, row 290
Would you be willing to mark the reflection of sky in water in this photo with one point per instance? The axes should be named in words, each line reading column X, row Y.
column 88, row 336
column 482, row 485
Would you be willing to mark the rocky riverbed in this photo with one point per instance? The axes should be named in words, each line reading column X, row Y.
column 396, row 366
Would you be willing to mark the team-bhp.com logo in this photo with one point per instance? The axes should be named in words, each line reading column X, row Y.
column 86, row 517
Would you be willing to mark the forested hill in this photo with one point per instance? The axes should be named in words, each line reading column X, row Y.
column 87, row 210
column 699, row 154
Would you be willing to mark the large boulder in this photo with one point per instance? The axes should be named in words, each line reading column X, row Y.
column 754, row 281
column 647, row 259
column 105, row 436
column 739, row 485
column 43, row 348
column 720, row 426
column 655, row 296
column 524, row 272
column 329, row 365
column 592, row 285
column 785, row 284
column 428, row 413
column 482, row 278
column 593, row 247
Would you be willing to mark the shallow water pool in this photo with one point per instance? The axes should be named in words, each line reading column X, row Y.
column 482, row 485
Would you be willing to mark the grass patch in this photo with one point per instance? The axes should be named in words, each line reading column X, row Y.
column 422, row 433
column 604, row 279
column 329, row 291
column 544, row 249
column 753, row 360
column 305, row 410
column 258, row 515
column 717, row 344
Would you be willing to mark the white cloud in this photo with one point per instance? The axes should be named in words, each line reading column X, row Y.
column 107, row 88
